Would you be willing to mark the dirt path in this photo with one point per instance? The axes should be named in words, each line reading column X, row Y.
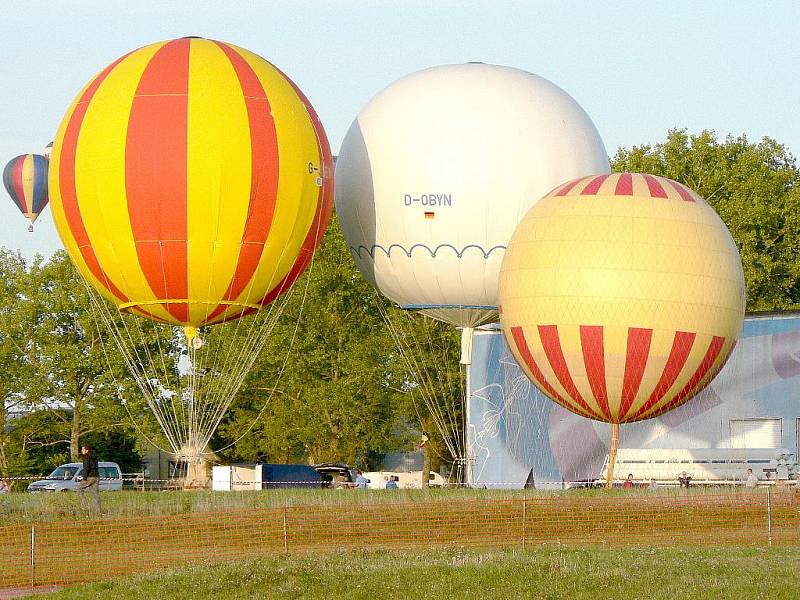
column 20, row 592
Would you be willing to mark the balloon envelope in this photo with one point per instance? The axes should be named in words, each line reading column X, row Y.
column 621, row 296
column 191, row 181
column 437, row 170
column 25, row 179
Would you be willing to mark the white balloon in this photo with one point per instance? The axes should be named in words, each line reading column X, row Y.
column 437, row 170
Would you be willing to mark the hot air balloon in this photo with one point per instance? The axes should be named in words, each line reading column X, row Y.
column 621, row 296
column 191, row 182
column 48, row 150
column 25, row 178
column 436, row 171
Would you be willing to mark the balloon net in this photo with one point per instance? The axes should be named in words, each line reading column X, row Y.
column 189, row 376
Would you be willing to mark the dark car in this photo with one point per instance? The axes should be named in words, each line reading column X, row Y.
column 336, row 475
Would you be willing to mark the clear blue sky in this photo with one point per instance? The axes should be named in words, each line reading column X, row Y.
column 638, row 68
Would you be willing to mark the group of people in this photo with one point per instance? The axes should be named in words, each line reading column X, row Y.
column 684, row 479
column 628, row 483
column 361, row 481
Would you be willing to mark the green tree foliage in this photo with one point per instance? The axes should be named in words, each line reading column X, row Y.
column 754, row 188
column 75, row 368
column 74, row 380
column 338, row 396
column 14, row 357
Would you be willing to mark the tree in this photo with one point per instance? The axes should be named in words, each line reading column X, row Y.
column 754, row 188
column 338, row 396
column 76, row 374
column 14, row 356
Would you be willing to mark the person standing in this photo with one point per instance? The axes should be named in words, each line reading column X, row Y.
column 361, row 481
column 751, row 481
column 628, row 483
column 392, row 483
column 90, row 484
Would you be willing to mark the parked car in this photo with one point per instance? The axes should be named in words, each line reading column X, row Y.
column 66, row 478
column 336, row 475
column 412, row 480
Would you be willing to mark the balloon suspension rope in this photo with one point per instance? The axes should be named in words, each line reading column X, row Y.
column 612, row 455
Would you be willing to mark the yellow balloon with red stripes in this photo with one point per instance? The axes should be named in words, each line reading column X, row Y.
column 190, row 182
column 621, row 296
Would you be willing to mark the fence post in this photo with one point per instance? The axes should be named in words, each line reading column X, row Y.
column 33, row 556
column 769, row 516
column 524, row 519
column 285, row 532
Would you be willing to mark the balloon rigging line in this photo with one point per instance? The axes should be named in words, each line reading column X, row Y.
column 248, row 354
column 410, row 349
column 98, row 306
column 308, row 276
column 189, row 396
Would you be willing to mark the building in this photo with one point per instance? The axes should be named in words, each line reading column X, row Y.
column 517, row 435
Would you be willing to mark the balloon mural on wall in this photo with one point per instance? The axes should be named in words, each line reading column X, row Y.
column 191, row 181
column 622, row 295
column 25, row 180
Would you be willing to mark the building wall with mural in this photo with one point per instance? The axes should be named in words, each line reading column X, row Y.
column 514, row 432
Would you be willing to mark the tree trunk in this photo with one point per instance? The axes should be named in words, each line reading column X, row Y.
column 612, row 455
column 3, row 457
column 426, row 465
column 75, row 431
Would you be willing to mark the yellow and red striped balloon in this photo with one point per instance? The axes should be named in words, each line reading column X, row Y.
column 621, row 296
column 191, row 181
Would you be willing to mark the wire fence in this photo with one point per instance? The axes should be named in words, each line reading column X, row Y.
column 72, row 551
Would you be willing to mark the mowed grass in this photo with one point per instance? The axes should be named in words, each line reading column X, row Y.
column 540, row 572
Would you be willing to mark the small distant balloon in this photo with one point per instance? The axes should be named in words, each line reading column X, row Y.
column 25, row 178
column 48, row 150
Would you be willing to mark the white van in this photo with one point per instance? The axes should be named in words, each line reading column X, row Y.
column 412, row 480
column 66, row 478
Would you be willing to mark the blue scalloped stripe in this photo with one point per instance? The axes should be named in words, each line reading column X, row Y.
column 432, row 251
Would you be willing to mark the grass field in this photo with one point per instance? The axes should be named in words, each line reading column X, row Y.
column 545, row 572
column 749, row 535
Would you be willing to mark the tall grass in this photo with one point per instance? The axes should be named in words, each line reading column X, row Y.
column 22, row 507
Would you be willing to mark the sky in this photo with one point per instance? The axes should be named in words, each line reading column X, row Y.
column 639, row 69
